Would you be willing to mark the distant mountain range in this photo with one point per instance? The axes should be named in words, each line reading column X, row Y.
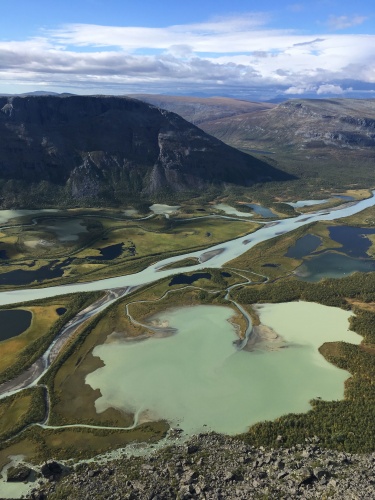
column 199, row 110
column 74, row 150
column 303, row 124
column 329, row 140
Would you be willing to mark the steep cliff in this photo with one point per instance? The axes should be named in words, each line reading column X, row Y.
column 102, row 149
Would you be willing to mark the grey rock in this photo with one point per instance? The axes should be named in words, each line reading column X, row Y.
column 222, row 474
column 18, row 474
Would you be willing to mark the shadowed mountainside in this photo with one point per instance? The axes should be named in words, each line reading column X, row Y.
column 83, row 149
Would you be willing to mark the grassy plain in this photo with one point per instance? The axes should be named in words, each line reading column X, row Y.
column 72, row 401
column 38, row 444
column 20, row 352
column 144, row 242
column 20, row 410
column 274, row 251
column 366, row 218
column 43, row 317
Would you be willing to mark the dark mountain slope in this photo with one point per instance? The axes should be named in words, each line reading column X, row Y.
column 61, row 149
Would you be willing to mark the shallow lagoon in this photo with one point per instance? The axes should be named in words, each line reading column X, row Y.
column 261, row 210
column 7, row 215
column 160, row 209
column 198, row 379
column 66, row 229
column 353, row 239
column 231, row 210
column 221, row 255
column 304, row 246
column 310, row 203
column 14, row 322
column 332, row 265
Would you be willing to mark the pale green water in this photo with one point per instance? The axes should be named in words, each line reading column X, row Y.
column 161, row 209
column 7, row 215
column 197, row 377
column 66, row 229
column 232, row 249
column 232, row 211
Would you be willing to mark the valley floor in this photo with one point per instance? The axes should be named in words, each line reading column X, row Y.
column 208, row 466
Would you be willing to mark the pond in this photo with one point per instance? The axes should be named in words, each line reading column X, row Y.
column 231, row 211
column 7, row 215
column 167, row 210
column 14, row 322
column 306, row 203
column 66, row 229
column 310, row 203
column 198, row 379
column 184, row 279
column 109, row 253
column 261, row 210
column 332, row 265
column 304, row 246
column 352, row 239
column 24, row 277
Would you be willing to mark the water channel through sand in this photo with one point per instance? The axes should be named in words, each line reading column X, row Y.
column 198, row 379
column 222, row 253
column 214, row 384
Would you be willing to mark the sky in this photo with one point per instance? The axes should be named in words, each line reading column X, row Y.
column 251, row 50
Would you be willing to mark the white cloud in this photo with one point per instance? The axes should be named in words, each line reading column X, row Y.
column 297, row 90
column 183, row 51
column 328, row 88
column 203, row 37
column 236, row 52
column 344, row 22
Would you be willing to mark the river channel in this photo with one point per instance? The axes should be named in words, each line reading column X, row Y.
column 219, row 255
column 195, row 382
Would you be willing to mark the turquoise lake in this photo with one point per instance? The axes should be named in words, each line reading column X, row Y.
column 198, row 379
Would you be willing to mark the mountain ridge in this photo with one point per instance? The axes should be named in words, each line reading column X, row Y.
column 109, row 149
column 302, row 122
column 198, row 110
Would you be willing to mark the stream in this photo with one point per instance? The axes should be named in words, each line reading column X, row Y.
column 119, row 286
column 219, row 255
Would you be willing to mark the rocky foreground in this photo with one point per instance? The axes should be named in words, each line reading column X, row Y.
column 212, row 467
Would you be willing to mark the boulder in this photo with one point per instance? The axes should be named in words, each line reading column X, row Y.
column 51, row 470
column 18, row 474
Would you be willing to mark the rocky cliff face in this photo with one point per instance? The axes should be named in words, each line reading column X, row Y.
column 331, row 124
column 68, row 149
